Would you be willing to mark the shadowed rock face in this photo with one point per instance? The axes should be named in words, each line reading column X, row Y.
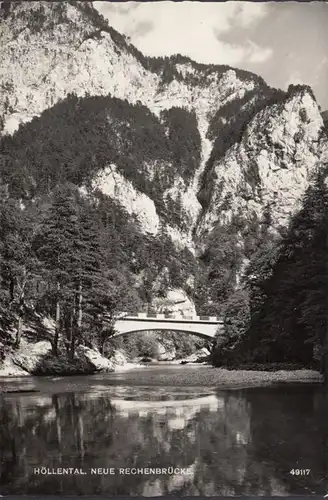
column 64, row 56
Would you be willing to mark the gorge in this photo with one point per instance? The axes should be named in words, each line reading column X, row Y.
column 173, row 177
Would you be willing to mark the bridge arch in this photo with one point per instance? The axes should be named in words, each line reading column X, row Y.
column 131, row 332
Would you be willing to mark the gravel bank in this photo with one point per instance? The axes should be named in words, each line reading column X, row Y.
column 245, row 378
column 205, row 375
column 191, row 375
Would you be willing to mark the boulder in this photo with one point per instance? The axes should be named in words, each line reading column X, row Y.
column 201, row 355
column 29, row 356
column 95, row 359
column 176, row 302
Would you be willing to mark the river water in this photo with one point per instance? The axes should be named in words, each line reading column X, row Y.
column 117, row 433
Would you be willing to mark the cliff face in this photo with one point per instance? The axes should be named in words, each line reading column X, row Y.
column 268, row 171
column 53, row 49
column 249, row 152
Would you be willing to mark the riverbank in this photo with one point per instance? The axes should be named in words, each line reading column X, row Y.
column 36, row 359
column 195, row 374
column 168, row 376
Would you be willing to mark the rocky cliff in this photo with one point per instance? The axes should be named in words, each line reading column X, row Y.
column 52, row 50
column 267, row 172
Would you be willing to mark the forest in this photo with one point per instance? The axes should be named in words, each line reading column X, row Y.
column 78, row 137
column 80, row 258
column 76, row 260
column 278, row 314
column 79, row 249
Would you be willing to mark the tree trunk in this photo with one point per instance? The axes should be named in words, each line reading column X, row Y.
column 12, row 290
column 325, row 340
column 67, row 326
column 76, row 332
column 19, row 330
column 20, row 318
column 102, row 346
column 57, row 324
column 79, row 310
column 73, row 345
column 324, row 360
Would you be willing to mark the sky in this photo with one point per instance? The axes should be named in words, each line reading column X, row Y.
column 283, row 42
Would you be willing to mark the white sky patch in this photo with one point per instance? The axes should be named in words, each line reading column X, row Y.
column 296, row 79
column 257, row 54
column 321, row 70
column 189, row 28
column 248, row 13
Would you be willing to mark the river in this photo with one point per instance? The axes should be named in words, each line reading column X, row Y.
column 118, row 434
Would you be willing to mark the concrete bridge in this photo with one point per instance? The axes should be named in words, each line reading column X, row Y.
column 205, row 327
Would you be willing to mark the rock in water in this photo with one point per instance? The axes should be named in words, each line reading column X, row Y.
column 95, row 359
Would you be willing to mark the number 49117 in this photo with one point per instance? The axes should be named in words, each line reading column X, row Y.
column 300, row 472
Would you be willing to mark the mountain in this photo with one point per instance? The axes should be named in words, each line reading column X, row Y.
column 68, row 48
column 208, row 157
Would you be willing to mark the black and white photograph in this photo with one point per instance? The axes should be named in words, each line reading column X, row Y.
column 163, row 248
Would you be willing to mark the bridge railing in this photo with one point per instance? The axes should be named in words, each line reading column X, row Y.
column 171, row 316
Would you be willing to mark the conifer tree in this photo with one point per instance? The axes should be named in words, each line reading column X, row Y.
column 113, row 294
column 86, row 266
column 54, row 246
column 288, row 286
column 18, row 265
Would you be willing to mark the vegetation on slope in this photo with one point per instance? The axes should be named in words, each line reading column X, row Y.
column 78, row 137
column 64, row 149
column 75, row 260
column 46, row 160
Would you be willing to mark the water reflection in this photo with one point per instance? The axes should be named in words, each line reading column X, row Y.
column 233, row 442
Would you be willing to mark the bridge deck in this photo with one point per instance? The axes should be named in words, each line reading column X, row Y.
column 170, row 318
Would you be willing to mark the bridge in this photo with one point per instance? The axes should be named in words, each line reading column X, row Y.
column 205, row 327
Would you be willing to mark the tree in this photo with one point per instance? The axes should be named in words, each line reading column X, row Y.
column 18, row 265
column 113, row 294
column 85, row 268
column 236, row 316
column 287, row 283
column 54, row 246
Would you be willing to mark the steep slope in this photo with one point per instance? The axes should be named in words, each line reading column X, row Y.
column 245, row 153
column 252, row 186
